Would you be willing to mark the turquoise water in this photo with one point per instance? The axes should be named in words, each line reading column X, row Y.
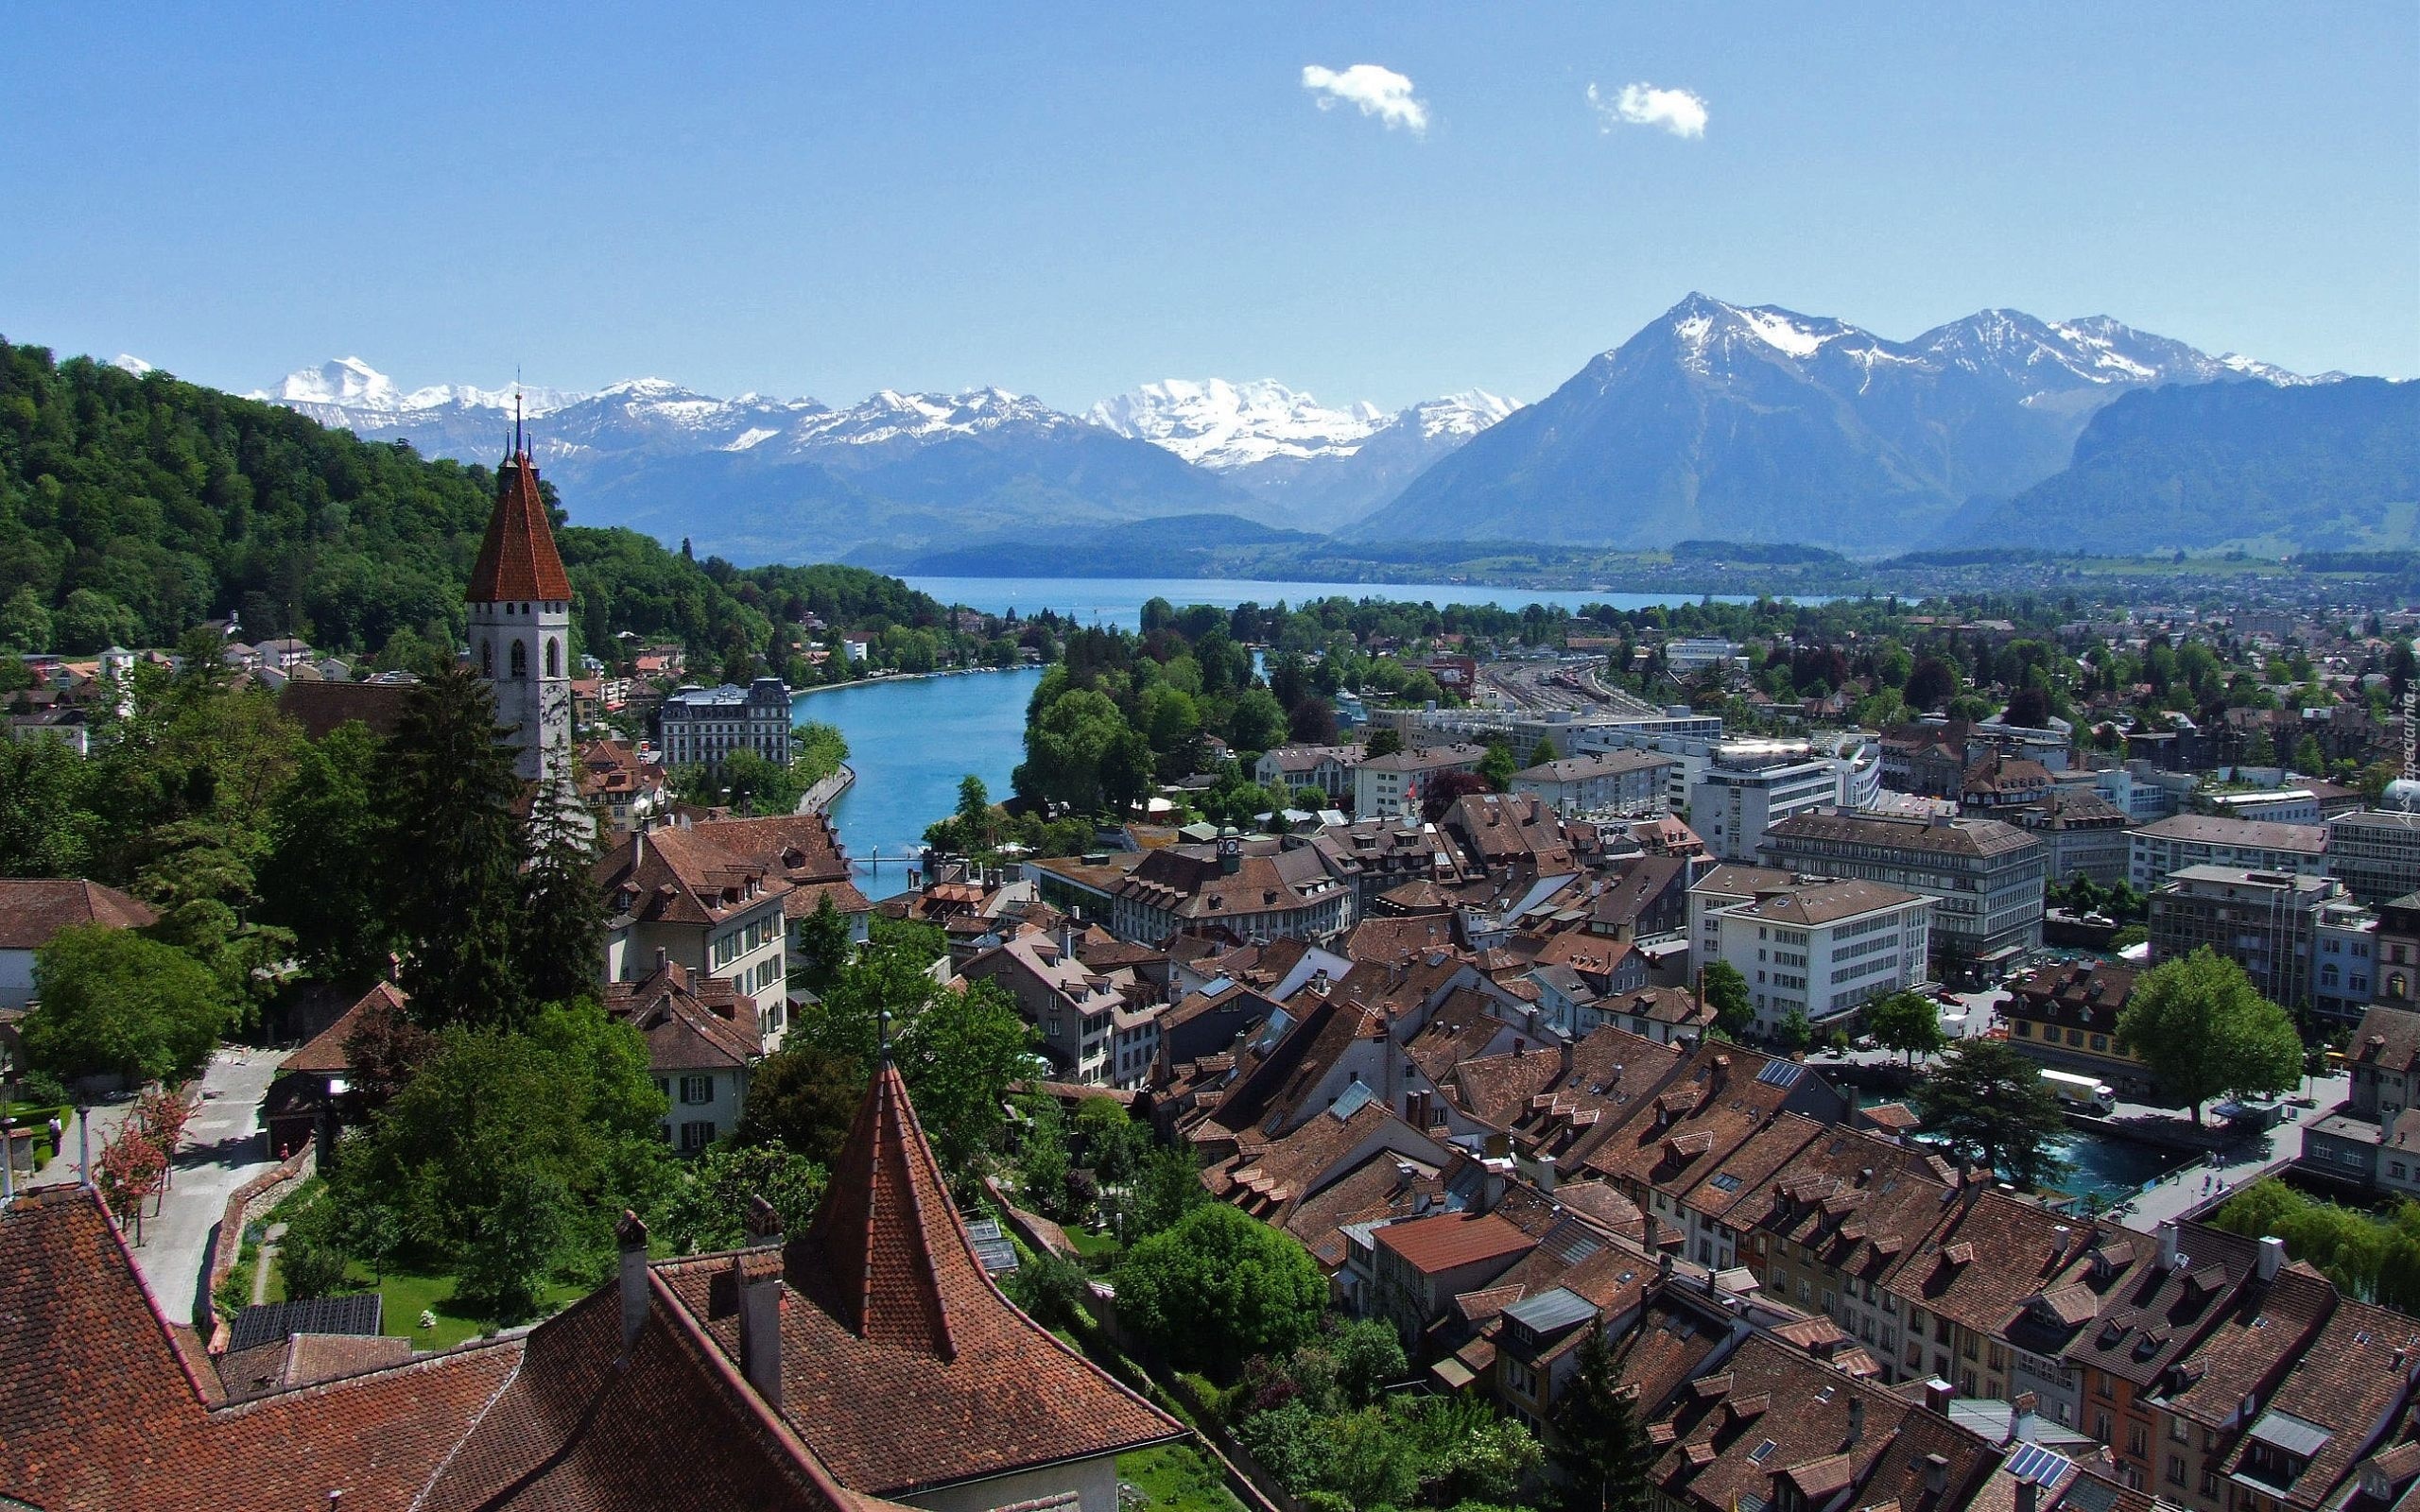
column 1120, row 600
column 910, row 740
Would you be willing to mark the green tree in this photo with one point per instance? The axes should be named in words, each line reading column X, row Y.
column 325, row 877
column 1908, row 1024
column 1259, row 723
column 313, row 1256
column 1726, row 993
column 115, row 1002
column 198, row 876
column 1795, row 1032
column 705, row 1207
column 25, row 624
column 1369, row 1358
column 1499, row 766
column 559, row 945
column 1381, row 742
column 1166, row 1189
column 509, row 1152
column 1220, row 1287
column 959, row 1056
column 821, row 946
column 1987, row 1102
column 802, row 1098
column 1042, row 1160
column 45, row 823
column 2203, row 1029
column 458, row 904
column 1602, row 1447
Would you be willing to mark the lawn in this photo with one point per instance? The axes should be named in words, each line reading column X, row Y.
column 408, row 1293
column 1178, row 1477
column 1099, row 1251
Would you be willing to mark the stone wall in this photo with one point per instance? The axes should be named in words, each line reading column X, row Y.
column 246, row 1203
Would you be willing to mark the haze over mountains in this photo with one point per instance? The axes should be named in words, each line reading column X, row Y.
column 1714, row 421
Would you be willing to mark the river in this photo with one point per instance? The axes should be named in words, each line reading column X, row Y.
column 911, row 739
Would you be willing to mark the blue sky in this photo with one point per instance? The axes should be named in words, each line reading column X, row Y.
column 1067, row 200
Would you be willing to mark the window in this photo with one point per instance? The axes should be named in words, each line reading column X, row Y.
column 697, row 1134
column 487, row 660
column 695, row 1089
column 520, row 660
column 2176, row 1470
column 554, row 657
column 2138, row 1441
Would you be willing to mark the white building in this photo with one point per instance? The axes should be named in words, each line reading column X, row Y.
column 1609, row 781
column 1825, row 949
column 1747, row 790
column 2281, row 805
column 1694, row 654
column 1386, row 787
column 2166, row 846
column 703, row 726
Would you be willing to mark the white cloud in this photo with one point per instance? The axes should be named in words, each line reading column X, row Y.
column 1379, row 92
column 1676, row 111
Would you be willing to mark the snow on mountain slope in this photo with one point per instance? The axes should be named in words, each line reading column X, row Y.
column 1222, row 425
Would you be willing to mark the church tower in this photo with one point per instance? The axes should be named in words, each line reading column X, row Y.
column 520, row 602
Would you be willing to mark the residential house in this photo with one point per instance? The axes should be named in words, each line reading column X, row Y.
column 1329, row 768
column 32, row 909
column 1420, row 1264
column 2065, row 1015
column 677, row 892
column 1098, row 1029
column 1254, row 892
column 703, row 1038
column 2082, row 833
column 805, row 852
column 1606, row 782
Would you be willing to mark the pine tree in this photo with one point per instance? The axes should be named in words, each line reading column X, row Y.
column 1603, row 1451
column 562, row 947
column 457, row 862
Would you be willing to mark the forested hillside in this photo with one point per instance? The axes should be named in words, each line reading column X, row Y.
column 133, row 508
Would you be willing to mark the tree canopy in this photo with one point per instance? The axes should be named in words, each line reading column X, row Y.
column 2203, row 1029
column 1987, row 1101
column 1219, row 1287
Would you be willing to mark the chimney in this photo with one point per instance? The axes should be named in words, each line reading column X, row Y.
column 1565, row 1054
column 1937, row 1395
column 2022, row 1411
column 1663, row 1257
column 630, row 1233
column 661, row 956
column 638, row 850
column 2029, row 1497
column 2272, row 1257
column 1936, row 1474
column 760, row 1327
column 2167, row 1245
column 1856, row 1419
column 764, row 1224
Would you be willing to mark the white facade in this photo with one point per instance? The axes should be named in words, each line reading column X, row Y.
column 1825, row 949
column 522, row 650
column 1732, row 806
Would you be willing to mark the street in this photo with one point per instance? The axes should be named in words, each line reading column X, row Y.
column 223, row 1148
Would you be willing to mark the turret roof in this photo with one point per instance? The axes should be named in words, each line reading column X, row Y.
column 518, row 559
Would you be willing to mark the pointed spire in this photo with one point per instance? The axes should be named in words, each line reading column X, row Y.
column 887, row 1253
column 518, row 561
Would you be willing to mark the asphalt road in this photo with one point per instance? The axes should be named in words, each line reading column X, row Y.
column 224, row 1148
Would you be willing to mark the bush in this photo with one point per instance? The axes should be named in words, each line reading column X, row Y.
column 1053, row 1289
column 1220, row 1287
column 42, row 1090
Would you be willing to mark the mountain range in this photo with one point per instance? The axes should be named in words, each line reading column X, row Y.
column 1716, row 421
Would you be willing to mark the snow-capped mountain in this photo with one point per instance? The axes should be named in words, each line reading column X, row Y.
column 1319, row 468
column 1224, row 425
column 1720, row 421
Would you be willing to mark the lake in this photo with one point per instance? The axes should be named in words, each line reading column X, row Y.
column 910, row 740
column 1120, row 600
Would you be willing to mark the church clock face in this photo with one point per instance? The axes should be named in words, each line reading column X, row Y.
column 554, row 703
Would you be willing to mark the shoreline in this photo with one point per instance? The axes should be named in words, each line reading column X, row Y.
column 908, row 677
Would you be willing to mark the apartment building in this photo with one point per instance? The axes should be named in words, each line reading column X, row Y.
column 1388, row 787
column 2267, row 922
column 2157, row 849
column 1986, row 876
column 1611, row 781
column 703, row 725
column 1823, row 949
column 2376, row 853
column 1745, row 792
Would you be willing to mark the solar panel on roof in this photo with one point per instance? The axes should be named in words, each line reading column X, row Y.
column 356, row 1313
column 2043, row 1467
column 1759, row 1455
column 1355, row 1098
column 1551, row 1311
column 1571, row 1243
column 1781, row 1073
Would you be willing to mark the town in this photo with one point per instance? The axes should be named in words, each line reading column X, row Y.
column 1628, row 1047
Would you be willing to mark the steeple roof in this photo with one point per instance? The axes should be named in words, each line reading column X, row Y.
column 891, row 1258
column 518, row 561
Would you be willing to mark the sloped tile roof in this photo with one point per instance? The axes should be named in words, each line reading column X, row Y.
column 32, row 909
column 517, row 559
column 324, row 1054
column 886, row 1302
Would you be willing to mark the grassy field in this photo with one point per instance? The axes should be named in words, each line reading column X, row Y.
column 407, row 1295
column 1177, row 1477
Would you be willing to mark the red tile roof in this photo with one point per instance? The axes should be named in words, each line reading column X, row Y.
column 32, row 909
column 1451, row 1240
column 518, row 559
column 328, row 1052
column 886, row 1306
